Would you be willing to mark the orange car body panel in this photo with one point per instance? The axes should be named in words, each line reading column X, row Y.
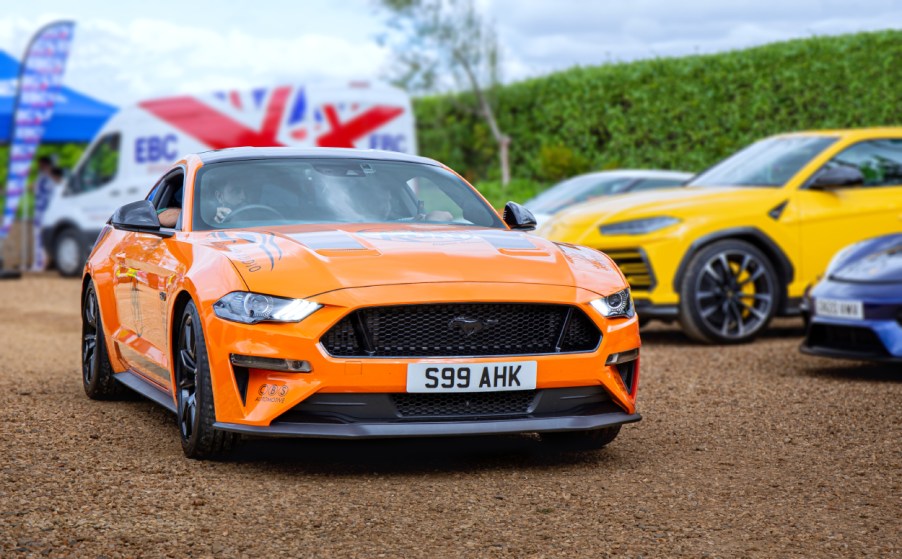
column 142, row 277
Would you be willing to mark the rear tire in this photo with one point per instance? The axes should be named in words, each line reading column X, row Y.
column 582, row 440
column 68, row 253
column 196, row 411
column 729, row 293
column 96, row 370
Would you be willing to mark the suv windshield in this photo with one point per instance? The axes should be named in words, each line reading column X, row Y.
column 266, row 192
column 770, row 162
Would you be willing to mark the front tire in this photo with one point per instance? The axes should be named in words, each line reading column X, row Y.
column 582, row 440
column 729, row 293
column 68, row 253
column 196, row 412
column 96, row 370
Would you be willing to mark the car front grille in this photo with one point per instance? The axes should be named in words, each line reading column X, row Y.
column 464, row 405
column 634, row 265
column 846, row 338
column 462, row 330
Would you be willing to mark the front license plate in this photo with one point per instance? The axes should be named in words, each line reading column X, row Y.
column 839, row 309
column 464, row 377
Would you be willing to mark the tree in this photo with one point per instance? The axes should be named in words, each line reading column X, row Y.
column 434, row 39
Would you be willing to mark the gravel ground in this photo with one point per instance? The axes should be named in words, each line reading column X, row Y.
column 750, row 451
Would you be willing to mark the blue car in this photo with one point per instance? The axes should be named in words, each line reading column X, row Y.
column 855, row 312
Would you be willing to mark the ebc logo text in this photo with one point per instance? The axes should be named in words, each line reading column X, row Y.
column 153, row 149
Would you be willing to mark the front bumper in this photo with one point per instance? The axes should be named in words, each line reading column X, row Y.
column 259, row 399
column 433, row 429
column 876, row 337
column 365, row 415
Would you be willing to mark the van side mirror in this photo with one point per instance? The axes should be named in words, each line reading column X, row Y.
column 517, row 217
column 140, row 217
column 837, row 177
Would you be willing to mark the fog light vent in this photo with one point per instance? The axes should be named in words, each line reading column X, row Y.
column 271, row 364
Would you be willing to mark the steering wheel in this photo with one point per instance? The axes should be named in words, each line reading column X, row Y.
column 251, row 208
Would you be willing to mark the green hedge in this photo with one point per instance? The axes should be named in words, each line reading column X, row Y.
column 671, row 113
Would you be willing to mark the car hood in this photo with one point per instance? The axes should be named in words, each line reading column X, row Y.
column 873, row 261
column 305, row 261
column 683, row 203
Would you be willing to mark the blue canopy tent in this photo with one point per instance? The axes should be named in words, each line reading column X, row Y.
column 76, row 117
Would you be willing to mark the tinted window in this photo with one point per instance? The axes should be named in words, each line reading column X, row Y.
column 255, row 193
column 99, row 166
column 880, row 161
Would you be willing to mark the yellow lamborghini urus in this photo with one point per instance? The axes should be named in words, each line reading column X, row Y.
column 740, row 243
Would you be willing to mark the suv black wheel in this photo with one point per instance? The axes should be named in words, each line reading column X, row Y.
column 96, row 371
column 194, row 392
column 729, row 293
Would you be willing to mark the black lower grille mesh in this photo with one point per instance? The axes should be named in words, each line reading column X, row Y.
column 462, row 329
column 848, row 338
column 464, row 405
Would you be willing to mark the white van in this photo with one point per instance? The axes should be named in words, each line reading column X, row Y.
column 139, row 143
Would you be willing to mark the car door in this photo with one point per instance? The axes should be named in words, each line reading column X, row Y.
column 148, row 263
column 834, row 217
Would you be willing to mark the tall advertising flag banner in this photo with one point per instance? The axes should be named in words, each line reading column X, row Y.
column 40, row 76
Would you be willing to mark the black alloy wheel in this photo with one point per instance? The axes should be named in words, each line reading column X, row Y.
column 195, row 411
column 729, row 293
column 96, row 370
column 187, row 377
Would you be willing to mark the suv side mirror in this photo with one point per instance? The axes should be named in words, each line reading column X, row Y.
column 140, row 217
column 517, row 217
column 837, row 177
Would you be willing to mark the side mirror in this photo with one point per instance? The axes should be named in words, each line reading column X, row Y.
column 837, row 177
column 140, row 217
column 517, row 217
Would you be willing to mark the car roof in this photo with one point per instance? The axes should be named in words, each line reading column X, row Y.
column 244, row 153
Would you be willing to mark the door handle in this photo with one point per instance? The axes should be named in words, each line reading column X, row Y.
column 114, row 193
column 132, row 190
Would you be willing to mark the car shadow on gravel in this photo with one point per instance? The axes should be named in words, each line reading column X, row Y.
column 417, row 455
column 856, row 371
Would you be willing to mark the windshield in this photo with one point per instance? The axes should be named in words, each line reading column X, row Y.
column 264, row 192
column 575, row 190
column 770, row 162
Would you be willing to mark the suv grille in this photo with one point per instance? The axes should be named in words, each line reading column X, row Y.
column 464, row 405
column 462, row 330
column 634, row 265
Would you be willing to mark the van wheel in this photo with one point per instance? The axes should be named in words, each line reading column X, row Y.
column 68, row 253
column 729, row 293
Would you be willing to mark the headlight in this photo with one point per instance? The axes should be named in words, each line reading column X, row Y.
column 251, row 308
column 638, row 226
column 839, row 257
column 617, row 305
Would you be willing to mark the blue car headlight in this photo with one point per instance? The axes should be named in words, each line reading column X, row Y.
column 638, row 226
column 251, row 308
column 616, row 305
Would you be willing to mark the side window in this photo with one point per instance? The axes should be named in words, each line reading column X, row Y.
column 651, row 184
column 880, row 161
column 99, row 167
column 169, row 194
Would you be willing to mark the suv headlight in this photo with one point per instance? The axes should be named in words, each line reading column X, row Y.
column 251, row 308
column 638, row 226
column 616, row 305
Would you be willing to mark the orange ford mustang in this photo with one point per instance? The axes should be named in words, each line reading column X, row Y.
column 342, row 293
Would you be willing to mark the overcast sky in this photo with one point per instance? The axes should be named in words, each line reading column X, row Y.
column 131, row 51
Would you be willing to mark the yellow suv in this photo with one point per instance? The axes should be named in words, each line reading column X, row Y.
column 740, row 243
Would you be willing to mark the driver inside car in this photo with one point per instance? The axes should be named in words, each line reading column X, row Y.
column 229, row 197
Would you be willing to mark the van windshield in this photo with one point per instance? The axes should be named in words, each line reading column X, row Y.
column 285, row 191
